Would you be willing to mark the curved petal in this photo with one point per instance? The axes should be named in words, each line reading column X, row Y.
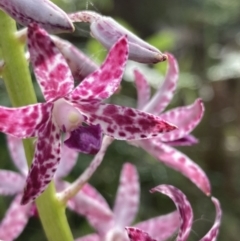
column 213, row 232
column 51, row 70
column 161, row 228
column 80, row 65
column 46, row 159
column 179, row 162
column 11, row 183
column 15, row 220
column 23, row 122
column 98, row 214
column 143, row 89
column 136, row 234
column 127, row 198
column 183, row 207
column 105, row 81
column 43, row 12
column 185, row 118
column 17, row 154
column 85, row 139
column 123, row 122
column 165, row 93
column 90, row 237
column 67, row 162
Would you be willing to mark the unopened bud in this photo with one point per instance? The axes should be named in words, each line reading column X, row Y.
column 43, row 12
column 107, row 31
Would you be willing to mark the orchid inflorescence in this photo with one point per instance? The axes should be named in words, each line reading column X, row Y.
column 79, row 116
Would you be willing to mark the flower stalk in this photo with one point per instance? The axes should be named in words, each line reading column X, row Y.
column 19, row 86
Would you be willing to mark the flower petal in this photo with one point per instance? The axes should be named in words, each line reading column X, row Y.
column 81, row 65
column 186, row 118
column 11, row 183
column 165, row 92
column 46, row 159
column 213, row 232
column 107, row 31
column 67, row 162
column 143, row 89
column 43, row 12
column 136, row 234
column 51, row 70
column 123, row 122
column 23, row 122
column 15, row 220
column 17, row 154
column 85, row 139
column 183, row 206
column 161, row 228
column 90, row 237
column 127, row 198
column 188, row 140
column 98, row 214
column 179, row 162
column 105, row 81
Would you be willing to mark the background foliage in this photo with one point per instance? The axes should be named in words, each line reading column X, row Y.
column 205, row 38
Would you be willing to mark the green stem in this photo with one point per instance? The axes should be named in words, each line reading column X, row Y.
column 19, row 86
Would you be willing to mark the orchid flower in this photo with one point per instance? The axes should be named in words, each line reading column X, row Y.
column 44, row 12
column 186, row 118
column 185, row 215
column 12, row 184
column 67, row 108
column 107, row 31
column 110, row 224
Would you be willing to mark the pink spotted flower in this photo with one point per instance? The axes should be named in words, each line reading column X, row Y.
column 67, row 108
column 186, row 118
column 110, row 224
column 185, row 214
column 12, row 184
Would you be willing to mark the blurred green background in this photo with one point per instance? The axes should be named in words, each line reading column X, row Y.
column 204, row 35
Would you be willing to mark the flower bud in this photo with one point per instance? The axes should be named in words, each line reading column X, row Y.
column 43, row 12
column 107, row 31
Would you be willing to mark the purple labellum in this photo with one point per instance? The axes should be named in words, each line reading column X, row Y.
column 107, row 31
column 85, row 139
column 188, row 140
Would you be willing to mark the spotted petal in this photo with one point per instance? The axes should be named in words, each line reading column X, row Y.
column 161, row 228
column 165, row 93
column 183, row 206
column 127, row 199
column 46, row 159
column 188, row 140
column 179, row 162
column 23, row 122
column 43, row 12
column 11, row 182
column 50, row 67
column 213, row 232
column 186, row 118
column 143, row 89
column 16, row 151
column 123, row 122
column 105, row 81
column 67, row 162
column 15, row 220
column 136, row 234
column 80, row 65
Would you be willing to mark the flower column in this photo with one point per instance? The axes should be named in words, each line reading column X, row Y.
column 20, row 90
